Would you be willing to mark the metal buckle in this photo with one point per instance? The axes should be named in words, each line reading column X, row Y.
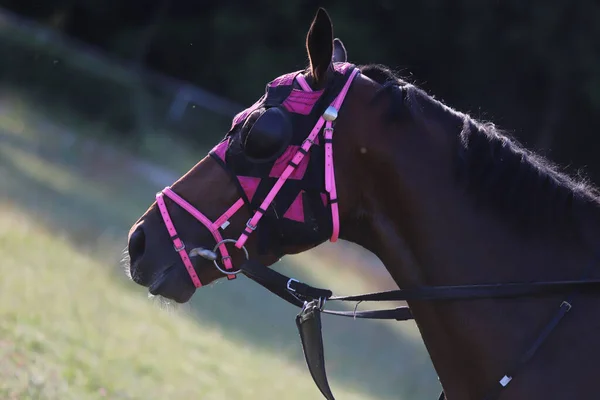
column 320, row 304
column 322, row 301
column 309, row 140
column 291, row 289
column 250, row 226
column 567, row 304
column 178, row 249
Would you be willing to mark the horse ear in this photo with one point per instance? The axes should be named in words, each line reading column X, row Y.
column 319, row 45
column 339, row 51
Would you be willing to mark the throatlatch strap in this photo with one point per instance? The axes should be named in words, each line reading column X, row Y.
column 309, row 327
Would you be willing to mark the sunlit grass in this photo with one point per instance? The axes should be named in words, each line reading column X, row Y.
column 67, row 331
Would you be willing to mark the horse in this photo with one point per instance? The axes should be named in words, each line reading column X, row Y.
column 442, row 199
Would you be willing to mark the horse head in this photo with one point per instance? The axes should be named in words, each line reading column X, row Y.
column 271, row 186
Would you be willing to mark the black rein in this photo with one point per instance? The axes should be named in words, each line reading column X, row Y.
column 311, row 300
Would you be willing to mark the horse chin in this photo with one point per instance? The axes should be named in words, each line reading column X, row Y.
column 173, row 284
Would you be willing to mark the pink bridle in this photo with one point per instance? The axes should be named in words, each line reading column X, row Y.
column 327, row 119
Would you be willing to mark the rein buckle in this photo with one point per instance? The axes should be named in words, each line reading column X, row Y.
column 291, row 289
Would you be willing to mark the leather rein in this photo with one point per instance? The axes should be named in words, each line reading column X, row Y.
column 312, row 300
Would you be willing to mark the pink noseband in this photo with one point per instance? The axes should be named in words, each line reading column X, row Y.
column 327, row 119
column 221, row 222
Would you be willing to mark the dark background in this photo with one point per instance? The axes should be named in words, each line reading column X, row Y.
column 532, row 67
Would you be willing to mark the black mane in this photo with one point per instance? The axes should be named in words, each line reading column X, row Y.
column 494, row 168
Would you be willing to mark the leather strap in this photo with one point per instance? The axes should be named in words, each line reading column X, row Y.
column 309, row 328
column 281, row 285
column 312, row 299
column 484, row 291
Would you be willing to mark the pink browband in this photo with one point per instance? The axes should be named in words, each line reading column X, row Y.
column 222, row 222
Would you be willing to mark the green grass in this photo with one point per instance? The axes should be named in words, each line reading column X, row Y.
column 72, row 326
column 68, row 332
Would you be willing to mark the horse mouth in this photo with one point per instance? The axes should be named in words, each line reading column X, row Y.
column 159, row 281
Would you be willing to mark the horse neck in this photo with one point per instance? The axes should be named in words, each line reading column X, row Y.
column 437, row 237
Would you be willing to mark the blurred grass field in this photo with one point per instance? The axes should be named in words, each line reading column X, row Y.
column 73, row 327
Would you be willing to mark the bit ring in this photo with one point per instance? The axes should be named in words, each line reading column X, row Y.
column 216, row 261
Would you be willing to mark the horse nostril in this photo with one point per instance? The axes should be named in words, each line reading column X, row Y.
column 137, row 245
